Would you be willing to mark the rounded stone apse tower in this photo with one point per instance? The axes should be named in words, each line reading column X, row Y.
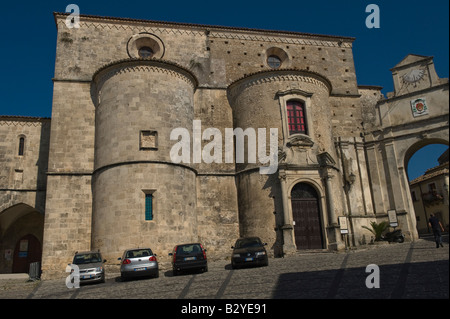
column 140, row 197
column 296, row 102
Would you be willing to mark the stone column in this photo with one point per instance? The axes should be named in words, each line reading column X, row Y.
column 288, row 230
column 331, row 213
column 333, row 230
column 397, row 197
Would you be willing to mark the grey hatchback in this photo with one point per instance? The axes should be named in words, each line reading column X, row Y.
column 138, row 262
column 91, row 267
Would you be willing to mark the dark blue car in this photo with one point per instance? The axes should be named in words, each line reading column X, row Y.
column 249, row 251
column 189, row 257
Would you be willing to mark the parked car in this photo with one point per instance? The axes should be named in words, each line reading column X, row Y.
column 249, row 251
column 138, row 262
column 91, row 266
column 189, row 257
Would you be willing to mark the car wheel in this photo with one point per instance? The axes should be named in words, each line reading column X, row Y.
column 175, row 272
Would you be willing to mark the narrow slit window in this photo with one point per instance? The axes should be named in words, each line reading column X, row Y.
column 296, row 117
column 21, row 146
column 148, row 207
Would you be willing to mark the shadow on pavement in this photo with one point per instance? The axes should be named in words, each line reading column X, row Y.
column 429, row 280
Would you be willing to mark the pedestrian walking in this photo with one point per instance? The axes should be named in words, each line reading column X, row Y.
column 436, row 226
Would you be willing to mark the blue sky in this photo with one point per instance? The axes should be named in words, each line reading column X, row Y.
column 28, row 36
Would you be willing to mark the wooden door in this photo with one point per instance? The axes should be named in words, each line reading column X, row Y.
column 306, row 215
column 28, row 249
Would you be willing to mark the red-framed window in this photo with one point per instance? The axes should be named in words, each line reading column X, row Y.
column 296, row 117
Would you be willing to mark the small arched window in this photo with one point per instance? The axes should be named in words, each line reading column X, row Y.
column 21, row 146
column 296, row 114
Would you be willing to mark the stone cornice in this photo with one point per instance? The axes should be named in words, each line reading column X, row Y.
column 411, row 94
column 213, row 31
column 12, row 120
column 139, row 65
column 156, row 65
column 282, row 75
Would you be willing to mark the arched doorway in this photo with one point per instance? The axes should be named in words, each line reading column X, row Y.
column 19, row 222
column 427, row 170
column 27, row 251
column 306, row 217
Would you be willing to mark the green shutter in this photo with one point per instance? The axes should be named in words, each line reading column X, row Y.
column 148, row 207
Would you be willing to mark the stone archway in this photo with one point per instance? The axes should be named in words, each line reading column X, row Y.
column 399, row 130
column 20, row 222
column 429, row 192
column 419, row 145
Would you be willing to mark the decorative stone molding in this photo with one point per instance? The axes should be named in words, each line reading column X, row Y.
column 279, row 76
column 307, row 40
column 218, row 32
column 138, row 65
column 326, row 160
column 138, row 27
column 300, row 150
column 145, row 39
column 294, row 92
column 300, row 140
column 25, row 121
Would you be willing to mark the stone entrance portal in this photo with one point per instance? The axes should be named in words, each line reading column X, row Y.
column 306, row 216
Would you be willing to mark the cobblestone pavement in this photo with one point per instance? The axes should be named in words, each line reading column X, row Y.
column 407, row 271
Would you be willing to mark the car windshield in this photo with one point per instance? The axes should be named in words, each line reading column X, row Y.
column 188, row 249
column 87, row 258
column 248, row 242
column 138, row 253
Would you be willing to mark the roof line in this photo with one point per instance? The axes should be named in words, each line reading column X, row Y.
column 431, row 173
column 373, row 87
column 23, row 118
column 205, row 26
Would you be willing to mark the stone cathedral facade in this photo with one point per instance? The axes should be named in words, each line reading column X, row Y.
column 100, row 174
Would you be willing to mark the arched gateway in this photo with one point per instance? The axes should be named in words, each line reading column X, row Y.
column 414, row 115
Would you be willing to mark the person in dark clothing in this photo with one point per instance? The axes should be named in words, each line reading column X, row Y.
column 436, row 226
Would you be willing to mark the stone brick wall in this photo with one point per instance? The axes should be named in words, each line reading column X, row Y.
column 68, row 211
column 23, row 181
column 27, row 171
column 67, row 227
column 119, row 209
column 154, row 97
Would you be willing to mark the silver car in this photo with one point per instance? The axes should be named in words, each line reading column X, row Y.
column 138, row 262
column 91, row 266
